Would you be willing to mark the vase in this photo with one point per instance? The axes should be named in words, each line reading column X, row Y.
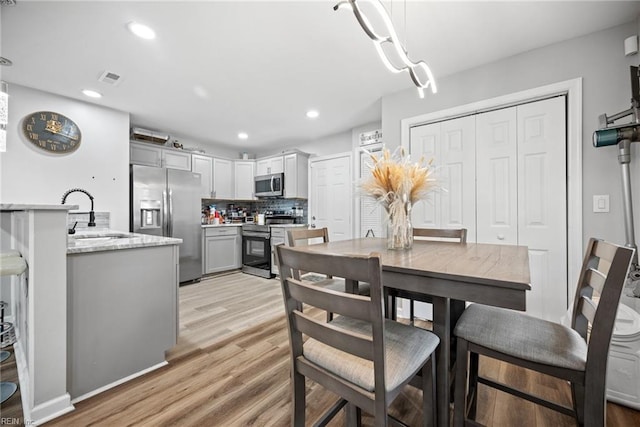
column 399, row 229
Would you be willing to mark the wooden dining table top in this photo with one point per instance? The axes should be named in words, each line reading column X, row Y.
column 497, row 265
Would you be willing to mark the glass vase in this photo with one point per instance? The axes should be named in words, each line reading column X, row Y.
column 399, row 229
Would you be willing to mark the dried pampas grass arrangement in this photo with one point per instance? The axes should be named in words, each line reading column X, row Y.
column 397, row 184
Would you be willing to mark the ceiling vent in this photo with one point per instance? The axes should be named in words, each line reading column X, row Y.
column 109, row 78
column 144, row 135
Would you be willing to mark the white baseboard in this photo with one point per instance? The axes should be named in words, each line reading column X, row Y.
column 116, row 383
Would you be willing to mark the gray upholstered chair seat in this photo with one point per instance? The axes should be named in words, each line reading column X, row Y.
column 544, row 342
column 400, row 342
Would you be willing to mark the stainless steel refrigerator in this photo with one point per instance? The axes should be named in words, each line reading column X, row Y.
column 166, row 202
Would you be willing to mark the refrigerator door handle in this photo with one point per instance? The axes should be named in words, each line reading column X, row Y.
column 165, row 216
column 170, row 220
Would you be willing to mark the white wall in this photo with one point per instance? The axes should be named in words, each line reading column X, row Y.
column 599, row 59
column 100, row 165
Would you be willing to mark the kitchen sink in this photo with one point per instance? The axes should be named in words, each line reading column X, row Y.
column 100, row 237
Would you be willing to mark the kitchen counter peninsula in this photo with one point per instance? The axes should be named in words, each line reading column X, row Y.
column 122, row 307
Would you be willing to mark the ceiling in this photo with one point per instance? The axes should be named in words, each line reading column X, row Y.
column 217, row 68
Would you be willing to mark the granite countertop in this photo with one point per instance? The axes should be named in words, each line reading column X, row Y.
column 8, row 207
column 235, row 224
column 112, row 240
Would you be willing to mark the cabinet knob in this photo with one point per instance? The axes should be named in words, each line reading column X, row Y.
column 500, row 236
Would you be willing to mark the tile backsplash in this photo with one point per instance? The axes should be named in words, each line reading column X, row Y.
column 102, row 220
column 260, row 206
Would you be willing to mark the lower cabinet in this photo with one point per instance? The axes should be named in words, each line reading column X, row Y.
column 278, row 236
column 222, row 249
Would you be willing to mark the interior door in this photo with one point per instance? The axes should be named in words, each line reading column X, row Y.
column 331, row 201
column 451, row 145
column 542, row 203
column 497, row 177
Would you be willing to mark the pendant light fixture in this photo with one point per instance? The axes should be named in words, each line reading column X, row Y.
column 418, row 71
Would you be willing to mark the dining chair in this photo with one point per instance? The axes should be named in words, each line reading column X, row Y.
column 577, row 354
column 359, row 355
column 458, row 235
column 306, row 236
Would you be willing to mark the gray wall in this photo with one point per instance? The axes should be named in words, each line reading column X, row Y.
column 599, row 59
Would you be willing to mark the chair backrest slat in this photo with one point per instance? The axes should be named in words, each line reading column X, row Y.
column 457, row 234
column 347, row 341
column 588, row 308
column 351, row 305
column 596, row 279
column 604, row 250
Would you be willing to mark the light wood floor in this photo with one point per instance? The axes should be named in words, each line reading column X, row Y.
column 230, row 369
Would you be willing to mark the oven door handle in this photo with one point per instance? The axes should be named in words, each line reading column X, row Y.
column 252, row 234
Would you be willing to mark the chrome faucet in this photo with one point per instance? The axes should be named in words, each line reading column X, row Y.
column 92, row 215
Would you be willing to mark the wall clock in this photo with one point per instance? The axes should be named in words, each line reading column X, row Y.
column 52, row 132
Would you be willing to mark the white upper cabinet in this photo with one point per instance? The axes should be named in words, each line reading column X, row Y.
column 270, row 165
column 204, row 166
column 296, row 176
column 145, row 154
column 175, row 159
column 148, row 155
column 222, row 179
column 244, row 179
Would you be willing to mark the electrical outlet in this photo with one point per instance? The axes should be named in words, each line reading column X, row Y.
column 601, row 203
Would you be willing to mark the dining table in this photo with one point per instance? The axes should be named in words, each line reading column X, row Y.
column 452, row 274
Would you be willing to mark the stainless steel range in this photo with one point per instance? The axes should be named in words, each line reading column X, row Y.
column 256, row 244
column 256, row 250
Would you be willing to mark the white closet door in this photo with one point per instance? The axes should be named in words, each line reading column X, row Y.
column 451, row 144
column 425, row 141
column 457, row 170
column 331, row 196
column 542, row 203
column 497, row 180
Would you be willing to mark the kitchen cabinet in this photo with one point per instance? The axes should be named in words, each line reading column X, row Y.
column 222, row 178
column 176, row 159
column 148, row 155
column 244, row 180
column 222, row 248
column 269, row 165
column 296, row 176
column 108, row 342
column 204, row 166
column 279, row 236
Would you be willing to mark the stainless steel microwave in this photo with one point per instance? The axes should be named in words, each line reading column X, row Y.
column 269, row 185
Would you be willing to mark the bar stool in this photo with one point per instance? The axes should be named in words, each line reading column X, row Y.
column 11, row 263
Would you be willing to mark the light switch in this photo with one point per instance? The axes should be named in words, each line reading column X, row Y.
column 601, row 203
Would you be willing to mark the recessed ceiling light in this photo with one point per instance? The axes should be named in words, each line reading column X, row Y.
column 91, row 93
column 141, row 30
column 312, row 114
column 243, row 135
